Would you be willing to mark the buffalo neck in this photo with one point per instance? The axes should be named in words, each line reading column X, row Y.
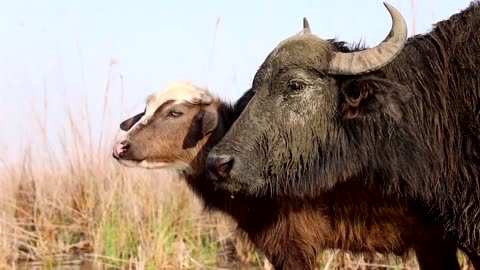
column 238, row 205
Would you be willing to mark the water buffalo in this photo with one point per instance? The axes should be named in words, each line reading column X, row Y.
column 179, row 126
column 401, row 117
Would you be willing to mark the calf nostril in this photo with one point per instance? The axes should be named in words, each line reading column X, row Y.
column 122, row 148
column 125, row 143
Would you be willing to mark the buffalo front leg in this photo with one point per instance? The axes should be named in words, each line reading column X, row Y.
column 437, row 254
column 473, row 257
column 293, row 258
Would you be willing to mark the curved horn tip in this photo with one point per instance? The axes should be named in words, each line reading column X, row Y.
column 390, row 8
column 397, row 16
column 377, row 57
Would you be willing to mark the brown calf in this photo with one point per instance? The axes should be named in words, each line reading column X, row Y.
column 179, row 126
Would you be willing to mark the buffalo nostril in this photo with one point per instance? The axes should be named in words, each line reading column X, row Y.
column 220, row 166
column 224, row 169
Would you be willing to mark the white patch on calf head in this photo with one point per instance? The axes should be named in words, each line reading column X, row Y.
column 178, row 92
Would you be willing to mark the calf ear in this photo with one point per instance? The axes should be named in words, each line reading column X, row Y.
column 128, row 124
column 365, row 96
column 209, row 122
column 203, row 123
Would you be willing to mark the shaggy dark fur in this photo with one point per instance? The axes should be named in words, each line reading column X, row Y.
column 291, row 232
column 411, row 128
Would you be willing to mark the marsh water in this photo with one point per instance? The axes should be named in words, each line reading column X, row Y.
column 72, row 264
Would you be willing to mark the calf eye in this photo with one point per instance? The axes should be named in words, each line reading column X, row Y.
column 174, row 114
column 296, row 85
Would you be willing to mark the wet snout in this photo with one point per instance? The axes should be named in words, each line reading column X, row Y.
column 120, row 148
column 220, row 166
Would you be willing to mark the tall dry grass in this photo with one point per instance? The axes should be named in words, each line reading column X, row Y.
column 73, row 207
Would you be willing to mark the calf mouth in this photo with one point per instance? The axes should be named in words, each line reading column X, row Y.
column 131, row 163
column 122, row 152
column 128, row 162
column 178, row 167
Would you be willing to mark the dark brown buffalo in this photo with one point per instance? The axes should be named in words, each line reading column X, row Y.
column 179, row 126
column 402, row 117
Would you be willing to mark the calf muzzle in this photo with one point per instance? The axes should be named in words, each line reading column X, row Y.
column 120, row 149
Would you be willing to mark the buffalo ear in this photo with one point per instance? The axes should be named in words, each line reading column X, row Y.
column 202, row 124
column 360, row 97
column 128, row 124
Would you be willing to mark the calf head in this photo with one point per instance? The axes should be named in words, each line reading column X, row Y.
column 304, row 91
column 172, row 130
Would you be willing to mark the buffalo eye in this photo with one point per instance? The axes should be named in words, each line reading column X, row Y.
column 296, row 85
column 175, row 113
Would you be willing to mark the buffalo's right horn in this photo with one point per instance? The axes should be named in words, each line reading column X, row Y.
column 368, row 60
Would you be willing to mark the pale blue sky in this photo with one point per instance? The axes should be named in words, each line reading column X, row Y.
column 66, row 47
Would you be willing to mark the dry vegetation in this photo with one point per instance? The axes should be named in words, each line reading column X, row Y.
column 85, row 211
column 99, row 213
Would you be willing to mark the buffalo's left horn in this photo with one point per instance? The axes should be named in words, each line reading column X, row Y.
column 368, row 60
column 306, row 26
